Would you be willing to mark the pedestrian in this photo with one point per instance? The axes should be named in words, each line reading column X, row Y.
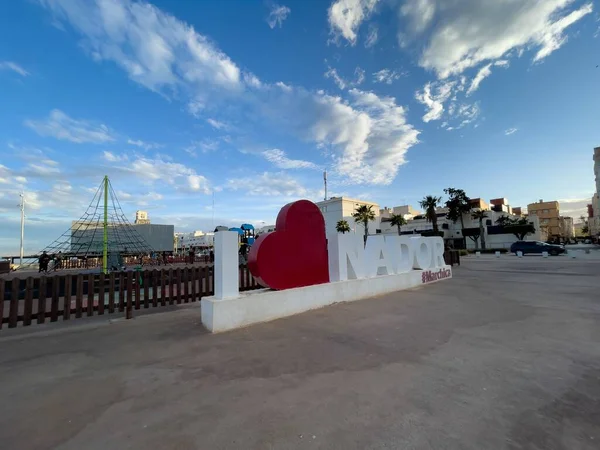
column 164, row 258
column 58, row 259
column 43, row 262
column 192, row 256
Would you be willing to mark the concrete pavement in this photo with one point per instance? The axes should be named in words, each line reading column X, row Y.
column 504, row 356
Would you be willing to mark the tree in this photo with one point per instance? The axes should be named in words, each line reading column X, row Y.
column 504, row 221
column 519, row 227
column 480, row 214
column 457, row 204
column 585, row 228
column 364, row 214
column 429, row 204
column 342, row 227
column 397, row 220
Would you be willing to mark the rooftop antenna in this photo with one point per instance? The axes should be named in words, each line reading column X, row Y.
column 325, row 182
column 22, row 205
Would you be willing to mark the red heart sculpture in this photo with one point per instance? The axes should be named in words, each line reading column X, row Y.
column 294, row 255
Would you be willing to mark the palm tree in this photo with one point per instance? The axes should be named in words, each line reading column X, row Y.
column 480, row 214
column 364, row 214
column 342, row 227
column 397, row 220
column 457, row 204
column 429, row 204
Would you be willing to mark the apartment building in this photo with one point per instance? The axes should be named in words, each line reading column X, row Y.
column 548, row 214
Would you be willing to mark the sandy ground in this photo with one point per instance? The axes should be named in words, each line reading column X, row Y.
column 504, row 356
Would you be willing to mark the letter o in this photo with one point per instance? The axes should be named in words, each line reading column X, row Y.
column 423, row 254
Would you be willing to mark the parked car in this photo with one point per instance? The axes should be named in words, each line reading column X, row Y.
column 536, row 247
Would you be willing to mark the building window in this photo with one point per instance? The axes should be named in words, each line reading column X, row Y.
column 545, row 211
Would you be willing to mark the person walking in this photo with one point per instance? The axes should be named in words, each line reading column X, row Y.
column 58, row 259
column 43, row 262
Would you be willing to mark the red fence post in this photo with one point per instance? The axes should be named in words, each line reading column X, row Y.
column 128, row 312
column 154, row 287
column 13, row 313
column 111, row 293
column 101, row 281
column 90, row 296
column 79, row 296
column 163, row 288
column 121, row 292
column 146, row 280
column 2, row 290
column 41, row 311
column 67, row 302
column 55, row 298
column 193, row 276
column 171, row 296
column 28, row 301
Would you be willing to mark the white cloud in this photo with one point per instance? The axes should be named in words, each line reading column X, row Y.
column 359, row 75
column 511, row 131
column 574, row 207
column 154, row 48
column 9, row 65
column 281, row 161
column 366, row 136
column 205, row 146
column 372, row 36
column 346, row 16
column 337, row 79
column 465, row 113
column 277, row 15
column 377, row 143
column 387, row 76
column 61, row 126
column 112, row 157
column 143, row 144
column 218, row 125
column 433, row 96
column 483, row 73
column 270, row 184
column 159, row 170
column 359, row 78
column 465, row 33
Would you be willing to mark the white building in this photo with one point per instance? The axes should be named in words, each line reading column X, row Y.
column 265, row 229
column 141, row 217
column 195, row 239
column 453, row 231
column 342, row 208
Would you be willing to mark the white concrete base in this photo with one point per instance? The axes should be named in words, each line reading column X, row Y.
column 265, row 305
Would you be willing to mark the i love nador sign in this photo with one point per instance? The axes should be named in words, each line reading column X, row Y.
column 299, row 253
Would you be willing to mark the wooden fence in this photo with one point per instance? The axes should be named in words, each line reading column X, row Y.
column 72, row 296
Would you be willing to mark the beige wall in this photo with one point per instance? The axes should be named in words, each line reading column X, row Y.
column 548, row 214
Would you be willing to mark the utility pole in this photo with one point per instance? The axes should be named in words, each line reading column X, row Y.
column 325, row 182
column 105, row 229
column 22, row 205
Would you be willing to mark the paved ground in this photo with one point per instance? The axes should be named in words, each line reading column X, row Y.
column 504, row 356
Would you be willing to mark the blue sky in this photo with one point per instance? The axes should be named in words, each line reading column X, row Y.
column 249, row 101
